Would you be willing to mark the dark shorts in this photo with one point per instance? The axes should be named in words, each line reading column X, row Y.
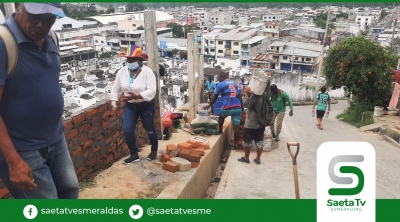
column 320, row 113
column 256, row 135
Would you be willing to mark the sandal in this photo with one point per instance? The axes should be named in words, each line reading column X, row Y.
column 257, row 161
column 242, row 159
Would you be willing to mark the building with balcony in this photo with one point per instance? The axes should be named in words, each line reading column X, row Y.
column 296, row 56
column 253, row 46
column 273, row 17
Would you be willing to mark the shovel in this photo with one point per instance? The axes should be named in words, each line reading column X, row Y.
column 296, row 179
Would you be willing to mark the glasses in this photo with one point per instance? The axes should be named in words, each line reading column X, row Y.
column 46, row 20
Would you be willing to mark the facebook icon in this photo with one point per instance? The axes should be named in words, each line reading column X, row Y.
column 30, row 212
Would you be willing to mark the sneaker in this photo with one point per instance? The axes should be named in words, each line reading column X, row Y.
column 277, row 138
column 152, row 156
column 131, row 159
column 273, row 135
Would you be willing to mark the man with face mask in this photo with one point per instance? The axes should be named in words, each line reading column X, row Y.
column 136, row 83
column 34, row 157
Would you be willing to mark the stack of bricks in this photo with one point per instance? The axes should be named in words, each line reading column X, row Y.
column 191, row 150
column 241, row 134
column 96, row 140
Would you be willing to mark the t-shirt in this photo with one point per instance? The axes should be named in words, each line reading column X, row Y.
column 210, row 85
column 229, row 92
column 32, row 104
column 323, row 99
column 279, row 104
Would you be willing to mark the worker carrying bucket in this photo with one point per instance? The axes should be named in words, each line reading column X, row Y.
column 259, row 82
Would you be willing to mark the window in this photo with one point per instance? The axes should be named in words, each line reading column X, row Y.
column 211, row 42
column 236, row 43
column 235, row 52
column 212, row 18
column 134, row 25
column 212, row 50
column 308, row 59
column 220, row 42
column 216, row 18
column 220, row 51
column 96, row 41
column 284, row 57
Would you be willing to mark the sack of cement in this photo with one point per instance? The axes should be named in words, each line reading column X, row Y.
column 196, row 123
column 211, row 125
column 211, row 131
column 199, row 130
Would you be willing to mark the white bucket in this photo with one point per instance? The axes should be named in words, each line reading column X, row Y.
column 378, row 111
column 258, row 83
column 204, row 115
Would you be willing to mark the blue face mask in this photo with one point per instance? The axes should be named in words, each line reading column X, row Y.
column 132, row 66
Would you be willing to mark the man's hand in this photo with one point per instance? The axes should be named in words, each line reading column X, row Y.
column 207, row 106
column 130, row 96
column 291, row 113
column 247, row 91
column 21, row 175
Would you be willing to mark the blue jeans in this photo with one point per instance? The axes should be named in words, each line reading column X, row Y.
column 53, row 172
column 132, row 112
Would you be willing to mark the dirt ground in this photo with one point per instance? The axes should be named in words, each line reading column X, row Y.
column 145, row 179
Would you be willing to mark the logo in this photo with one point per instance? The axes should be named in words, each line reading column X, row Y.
column 346, row 182
column 135, row 212
column 30, row 212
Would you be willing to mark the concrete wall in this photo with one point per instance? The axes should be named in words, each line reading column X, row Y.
column 95, row 140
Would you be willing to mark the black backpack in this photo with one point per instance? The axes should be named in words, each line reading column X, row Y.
column 266, row 110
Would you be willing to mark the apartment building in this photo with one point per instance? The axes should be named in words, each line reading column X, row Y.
column 273, row 17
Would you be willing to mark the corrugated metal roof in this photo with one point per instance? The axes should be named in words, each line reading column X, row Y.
column 254, row 40
column 237, row 34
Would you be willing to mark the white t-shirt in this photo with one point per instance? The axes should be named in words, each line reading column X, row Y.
column 144, row 84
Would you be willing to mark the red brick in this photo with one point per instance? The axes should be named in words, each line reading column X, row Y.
column 102, row 108
column 99, row 165
column 120, row 112
column 200, row 150
column 119, row 142
column 96, row 119
column 205, row 146
column 82, row 138
column 105, row 124
column 184, row 154
column 76, row 151
column 80, row 169
column 96, row 149
column 106, row 114
column 92, row 161
column 194, row 156
column 68, row 125
column 116, row 135
column 84, row 127
column 170, row 166
column 170, row 148
column 88, row 144
column 165, row 158
column 175, row 152
column 194, row 143
column 87, row 173
column 100, row 137
column 86, row 154
column 108, row 140
column 121, row 104
column 72, row 134
column 125, row 147
column 91, row 113
column 93, row 130
column 3, row 192
column 112, row 148
column 70, row 144
column 110, row 158
column 102, row 155
column 78, row 119
column 117, row 155
column 185, row 146
column 195, row 164
column 109, row 104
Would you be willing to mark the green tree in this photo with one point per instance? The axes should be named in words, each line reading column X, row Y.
column 177, row 30
column 140, row 27
column 183, row 54
column 383, row 14
column 174, row 52
column 110, row 9
column 363, row 67
column 320, row 22
column 133, row 7
column 2, row 8
column 233, row 22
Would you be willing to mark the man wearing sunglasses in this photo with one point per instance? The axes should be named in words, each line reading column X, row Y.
column 34, row 157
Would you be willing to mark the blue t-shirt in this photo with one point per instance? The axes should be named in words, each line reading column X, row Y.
column 32, row 103
column 210, row 85
column 229, row 92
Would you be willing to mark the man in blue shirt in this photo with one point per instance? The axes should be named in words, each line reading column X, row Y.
column 34, row 158
column 232, row 104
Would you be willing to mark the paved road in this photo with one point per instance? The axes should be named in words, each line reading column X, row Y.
column 274, row 177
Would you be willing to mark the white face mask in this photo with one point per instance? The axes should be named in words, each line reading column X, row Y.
column 133, row 65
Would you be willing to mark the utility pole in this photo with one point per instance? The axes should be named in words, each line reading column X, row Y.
column 322, row 57
column 394, row 29
column 201, row 79
column 191, row 78
column 196, row 94
column 153, row 60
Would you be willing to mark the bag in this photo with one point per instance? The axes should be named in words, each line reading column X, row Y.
column 12, row 47
column 266, row 111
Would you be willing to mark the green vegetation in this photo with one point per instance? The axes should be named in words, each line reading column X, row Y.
column 76, row 14
column 140, row 27
column 108, row 54
column 320, row 22
column 357, row 115
column 179, row 31
column 133, row 7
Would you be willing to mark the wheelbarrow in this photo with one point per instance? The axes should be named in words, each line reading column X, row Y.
column 296, row 179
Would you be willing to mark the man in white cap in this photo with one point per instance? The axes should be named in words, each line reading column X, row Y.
column 34, row 157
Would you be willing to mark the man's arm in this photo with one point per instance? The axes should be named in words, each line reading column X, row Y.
column 287, row 98
column 315, row 102
column 329, row 102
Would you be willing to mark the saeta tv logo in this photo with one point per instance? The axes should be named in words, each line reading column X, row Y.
column 346, row 181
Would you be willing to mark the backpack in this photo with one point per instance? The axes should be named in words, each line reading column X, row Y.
column 266, row 111
column 12, row 48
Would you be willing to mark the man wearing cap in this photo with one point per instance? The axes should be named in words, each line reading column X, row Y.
column 34, row 157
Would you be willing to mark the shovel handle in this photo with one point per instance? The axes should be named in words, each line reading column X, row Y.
column 289, row 144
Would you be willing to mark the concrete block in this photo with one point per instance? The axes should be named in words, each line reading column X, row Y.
column 184, row 165
column 175, row 152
